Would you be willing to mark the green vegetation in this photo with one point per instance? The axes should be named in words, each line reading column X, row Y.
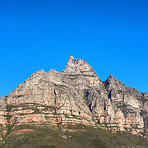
column 32, row 106
column 8, row 117
column 9, row 129
column 88, row 75
column 1, row 132
column 8, row 107
column 44, row 136
column 59, row 85
column 67, row 116
column 120, row 91
column 20, row 96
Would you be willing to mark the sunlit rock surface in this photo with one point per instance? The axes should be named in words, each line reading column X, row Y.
column 76, row 95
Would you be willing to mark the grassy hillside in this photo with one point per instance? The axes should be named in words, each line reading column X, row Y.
column 79, row 136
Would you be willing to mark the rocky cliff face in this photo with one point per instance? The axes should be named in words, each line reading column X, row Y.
column 76, row 95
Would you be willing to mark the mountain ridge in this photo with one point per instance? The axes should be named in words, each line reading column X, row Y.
column 76, row 96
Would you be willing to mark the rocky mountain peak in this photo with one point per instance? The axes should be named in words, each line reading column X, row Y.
column 76, row 96
column 79, row 66
column 114, row 83
column 111, row 76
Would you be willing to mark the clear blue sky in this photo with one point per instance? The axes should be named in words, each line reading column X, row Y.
column 111, row 35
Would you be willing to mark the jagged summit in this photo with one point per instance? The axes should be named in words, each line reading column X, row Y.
column 79, row 66
column 111, row 76
column 76, row 96
column 113, row 83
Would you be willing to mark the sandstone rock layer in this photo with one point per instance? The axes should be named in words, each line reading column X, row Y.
column 76, row 96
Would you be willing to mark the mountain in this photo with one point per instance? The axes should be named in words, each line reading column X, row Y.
column 76, row 96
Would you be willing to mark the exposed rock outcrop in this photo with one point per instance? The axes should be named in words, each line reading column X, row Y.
column 76, row 95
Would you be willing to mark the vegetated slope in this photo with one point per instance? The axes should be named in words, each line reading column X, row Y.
column 75, row 136
column 75, row 96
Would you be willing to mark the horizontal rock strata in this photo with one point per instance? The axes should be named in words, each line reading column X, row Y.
column 76, row 95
